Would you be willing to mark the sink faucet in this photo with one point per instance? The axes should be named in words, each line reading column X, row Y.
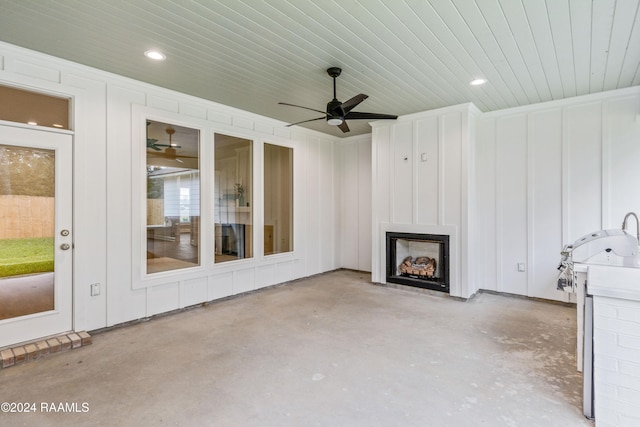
column 624, row 223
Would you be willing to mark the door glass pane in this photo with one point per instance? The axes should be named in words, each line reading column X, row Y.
column 233, row 192
column 27, row 193
column 278, row 199
column 33, row 108
column 173, row 197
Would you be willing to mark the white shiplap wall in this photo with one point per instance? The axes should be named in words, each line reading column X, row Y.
column 108, row 237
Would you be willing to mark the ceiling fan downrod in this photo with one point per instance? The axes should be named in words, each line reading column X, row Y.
column 335, row 114
column 333, row 73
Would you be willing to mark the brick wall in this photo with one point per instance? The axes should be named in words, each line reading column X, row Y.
column 617, row 362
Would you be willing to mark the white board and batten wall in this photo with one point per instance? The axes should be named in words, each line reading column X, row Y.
column 422, row 180
column 108, row 115
column 353, row 232
column 548, row 174
column 510, row 186
column 516, row 185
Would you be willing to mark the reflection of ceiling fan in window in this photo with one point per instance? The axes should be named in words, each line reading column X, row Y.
column 166, row 151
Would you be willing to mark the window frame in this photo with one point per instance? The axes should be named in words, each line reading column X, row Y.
column 294, row 198
column 141, row 278
column 255, row 196
column 207, row 268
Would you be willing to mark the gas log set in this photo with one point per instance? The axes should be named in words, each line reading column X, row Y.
column 419, row 260
column 420, row 267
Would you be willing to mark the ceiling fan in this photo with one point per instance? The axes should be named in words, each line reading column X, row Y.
column 338, row 112
column 170, row 151
column 153, row 143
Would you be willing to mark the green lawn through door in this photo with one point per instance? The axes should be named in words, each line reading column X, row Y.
column 26, row 256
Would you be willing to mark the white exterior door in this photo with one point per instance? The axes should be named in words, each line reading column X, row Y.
column 36, row 235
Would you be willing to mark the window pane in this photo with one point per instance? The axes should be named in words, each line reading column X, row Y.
column 33, row 108
column 278, row 199
column 27, row 217
column 173, row 197
column 233, row 192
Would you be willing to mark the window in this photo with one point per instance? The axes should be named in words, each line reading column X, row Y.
column 27, row 217
column 233, row 206
column 184, row 205
column 173, row 197
column 278, row 199
column 33, row 108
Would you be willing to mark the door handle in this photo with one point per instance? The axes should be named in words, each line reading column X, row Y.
column 65, row 246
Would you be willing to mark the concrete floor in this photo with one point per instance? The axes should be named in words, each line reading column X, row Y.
column 332, row 350
column 26, row 294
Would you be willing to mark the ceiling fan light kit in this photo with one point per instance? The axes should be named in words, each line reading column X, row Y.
column 338, row 112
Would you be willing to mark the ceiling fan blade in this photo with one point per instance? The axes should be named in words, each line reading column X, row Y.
column 343, row 127
column 300, row 106
column 305, row 121
column 351, row 103
column 355, row 115
column 339, row 112
column 153, row 143
column 152, row 154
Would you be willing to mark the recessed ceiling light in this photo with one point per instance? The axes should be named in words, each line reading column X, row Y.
column 56, row 125
column 477, row 82
column 32, row 123
column 154, row 54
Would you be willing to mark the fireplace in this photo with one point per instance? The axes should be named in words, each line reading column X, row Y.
column 420, row 260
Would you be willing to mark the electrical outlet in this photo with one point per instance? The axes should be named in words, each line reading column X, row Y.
column 95, row 289
column 521, row 266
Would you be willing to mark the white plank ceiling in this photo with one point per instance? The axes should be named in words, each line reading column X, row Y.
column 408, row 56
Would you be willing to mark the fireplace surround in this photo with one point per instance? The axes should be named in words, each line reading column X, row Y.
column 419, row 260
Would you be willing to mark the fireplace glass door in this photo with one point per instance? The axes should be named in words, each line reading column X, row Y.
column 420, row 260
